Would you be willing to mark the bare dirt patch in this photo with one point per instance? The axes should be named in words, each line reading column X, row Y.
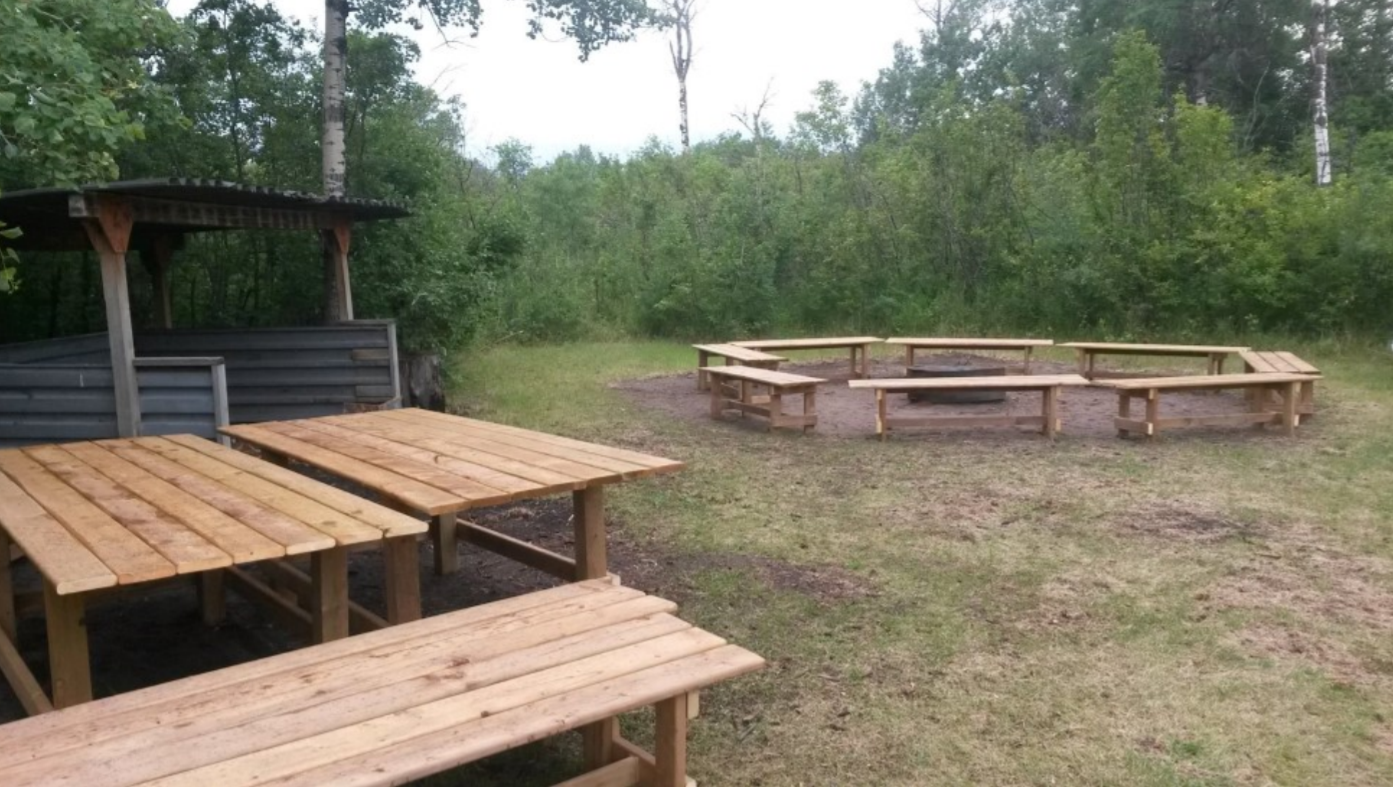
column 1189, row 523
column 844, row 413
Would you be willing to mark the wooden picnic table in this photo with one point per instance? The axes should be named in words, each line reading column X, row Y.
column 1088, row 353
column 440, row 465
column 856, row 344
column 1026, row 346
column 113, row 514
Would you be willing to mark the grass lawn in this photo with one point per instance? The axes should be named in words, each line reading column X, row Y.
column 946, row 610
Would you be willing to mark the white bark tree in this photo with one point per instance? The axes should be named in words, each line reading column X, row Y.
column 1320, row 11
column 681, row 13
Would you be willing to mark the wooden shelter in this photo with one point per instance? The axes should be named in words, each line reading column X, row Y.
column 153, row 216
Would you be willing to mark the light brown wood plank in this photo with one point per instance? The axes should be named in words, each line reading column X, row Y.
column 931, row 343
column 123, row 553
column 22, row 682
column 241, row 542
column 1023, row 382
column 1201, row 382
column 392, row 523
column 1153, row 349
column 830, row 343
column 755, row 374
column 419, row 496
column 58, row 554
column 293, row 536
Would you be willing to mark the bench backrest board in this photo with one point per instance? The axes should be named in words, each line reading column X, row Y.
column 1017, row 382
column 762, row 376
column 1204, row 381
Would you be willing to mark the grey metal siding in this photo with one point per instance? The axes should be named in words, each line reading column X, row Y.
column 90, row 348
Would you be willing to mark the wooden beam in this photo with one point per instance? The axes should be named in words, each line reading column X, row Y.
column 7, row 590
column 329, row 595
column 589, row 521
column 70, row 669
column 161, row 256
column 147, row 210
column 401, row 579
column 254, row 590
column 443, row 532
column 22, row 681
column 110, row 233
column 556, row 565
column 298, row 583
column 670, row 744
column 341, row 236
column 625, row 773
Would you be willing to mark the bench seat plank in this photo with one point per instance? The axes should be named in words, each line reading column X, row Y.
column 738, row 353
column 808, row 344
column 1154, row 349
column 1199, row 382
column 1020, row 382
column 763, row 376
column 970, row 344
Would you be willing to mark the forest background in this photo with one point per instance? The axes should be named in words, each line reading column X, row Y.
column 1103, row 168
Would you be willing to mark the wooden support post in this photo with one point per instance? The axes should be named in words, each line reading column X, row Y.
column 717, row 398
column 1081, row 356
column 1290, row 418
column 591, row 560
column 110, row 234
column 329, row 595
column 597, row 743
column 340, row 238
column 1051, row 412
column 853, row 363
column 1153, row 413
column 703, row 360
column 8, row 627
column 776, row 409
column 880, row 425
column 865, row 361
column 70, row 669
column 908, row 356
column 670, row 750
column 1124, row 409
column 401, row 579
column 809, row 408
column 1025, row 367
column 162, row 254
column 212, row 596
column 444, row 533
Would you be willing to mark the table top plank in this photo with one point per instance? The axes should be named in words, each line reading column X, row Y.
column 764, row 376
column 808, row 344
column 423, row 472
column 1203, row 381
column 309, row 511
column 382, row 439
column 1153, row 349
column 604, row 464
column 997, row 382
column 241, row 542
column 409, row 491
column 291, row 535
column 965, row 343
column 69, row 565
column 124, row 553
column 653, row 463
column 186, row 549
column 391, row 523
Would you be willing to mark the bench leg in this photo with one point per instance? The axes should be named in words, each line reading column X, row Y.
column 597, row 743
column 69, row 665
column 703, row 360
column 444, row 534
column 1025, row 367
column 670, row 751
column 880, row 426
column 809, row 409
column 329, row 595
column 8, row 627
column 717, row 398
column 1290, row 418
column 1051, row 412
column 589, row 518
column 865, row 361
column 212, row 597
column 908, row 356
column 401, row 578
column 1081, row 358
column 1153, row 413
column 776, row 409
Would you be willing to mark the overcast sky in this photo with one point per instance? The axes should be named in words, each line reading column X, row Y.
column 538, row 91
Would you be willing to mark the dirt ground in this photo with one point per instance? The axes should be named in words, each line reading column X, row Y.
column 846, row 413
column 158, row 637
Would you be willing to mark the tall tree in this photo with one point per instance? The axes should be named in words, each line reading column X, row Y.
column 591, row 23
column 1320, row 12
column 680, row 14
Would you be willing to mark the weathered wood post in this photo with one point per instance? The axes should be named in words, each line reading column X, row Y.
column 108, row 222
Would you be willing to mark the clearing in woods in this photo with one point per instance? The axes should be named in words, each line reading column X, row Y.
column 994, row 609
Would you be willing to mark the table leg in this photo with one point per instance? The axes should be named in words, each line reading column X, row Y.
column 69, row 665
column 442, row 529
column 329, row 595
column 717, row 399
column 670, row 749
column 597, row 743
column 703, row 360
column 401, row 579
column 591, row 562
column 1290, row 418
column 880, row 427
column 1153, row 413
column 8, row 626
column 212, row 597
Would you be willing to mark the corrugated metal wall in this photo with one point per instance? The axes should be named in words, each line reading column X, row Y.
column 276, row 374
column 90, row 348
column 54, row 403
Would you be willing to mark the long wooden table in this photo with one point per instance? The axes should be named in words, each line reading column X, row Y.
column 439, row 466
column 111, row 514
column 1088, row 353
column 856, row 344
column 1025, row 346
column 1050, row 387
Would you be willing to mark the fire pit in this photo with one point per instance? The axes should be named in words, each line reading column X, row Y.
column 957, row 366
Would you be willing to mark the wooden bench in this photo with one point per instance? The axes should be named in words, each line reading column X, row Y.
column 1265, row 362
column 402, row 703
column 1088, row 353
column 1050, row 387
column 1025, row 346
column 1286, row 386
column 732, row 389
column 734, row 356
column 856, row 344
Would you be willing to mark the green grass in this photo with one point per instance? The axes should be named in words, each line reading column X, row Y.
column 1190, row 612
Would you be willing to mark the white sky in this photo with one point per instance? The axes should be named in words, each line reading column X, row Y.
column 539, row 92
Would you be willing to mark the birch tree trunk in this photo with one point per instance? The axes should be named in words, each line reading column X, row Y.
column 682, row 12
column 1320, row 9
column 335, row 165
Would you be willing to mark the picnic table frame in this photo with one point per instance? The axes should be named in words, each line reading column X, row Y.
column 439, row 466
column 1025, row 346
column 1088, row 353
column 856, row 344
column 1049, row 386
column 113, row 515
